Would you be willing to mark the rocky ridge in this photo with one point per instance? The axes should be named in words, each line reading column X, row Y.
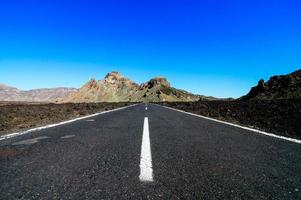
column 277, row 87
column 8, row 93
column 116, row 88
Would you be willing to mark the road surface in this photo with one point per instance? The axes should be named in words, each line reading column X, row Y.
column 153, row 153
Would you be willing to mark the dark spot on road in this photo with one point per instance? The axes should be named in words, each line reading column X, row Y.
column 7, row 153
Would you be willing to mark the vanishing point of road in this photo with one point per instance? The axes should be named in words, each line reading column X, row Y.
column 148, row 151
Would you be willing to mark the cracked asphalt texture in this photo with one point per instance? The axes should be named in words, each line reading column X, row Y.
column 192, row 158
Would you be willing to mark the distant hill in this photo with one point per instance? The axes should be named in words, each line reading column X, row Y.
column 8, row 93
column 277, row 87
column 116, row 88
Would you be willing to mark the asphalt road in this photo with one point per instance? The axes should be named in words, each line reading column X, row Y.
column 189, row 158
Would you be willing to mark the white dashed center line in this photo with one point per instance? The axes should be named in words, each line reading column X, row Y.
column 146, row 170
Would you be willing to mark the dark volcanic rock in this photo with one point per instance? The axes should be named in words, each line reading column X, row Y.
column 277, row 87
column 22, row 116
column 282, row 116
column 260, row 88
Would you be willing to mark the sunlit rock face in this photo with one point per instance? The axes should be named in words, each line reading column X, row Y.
column 115, row 88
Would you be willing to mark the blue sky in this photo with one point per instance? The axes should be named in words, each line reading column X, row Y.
column 211, row 47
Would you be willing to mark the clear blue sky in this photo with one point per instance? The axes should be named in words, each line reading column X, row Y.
column 211, row 47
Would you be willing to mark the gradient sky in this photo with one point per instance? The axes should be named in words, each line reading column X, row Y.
column 211, row 47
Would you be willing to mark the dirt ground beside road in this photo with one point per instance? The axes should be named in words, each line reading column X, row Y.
column 16, row 116
column 282, row 117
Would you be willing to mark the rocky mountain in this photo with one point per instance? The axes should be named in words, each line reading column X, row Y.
column 116, row 88
column 8, row 93
column 8, row 89
column 277, row 87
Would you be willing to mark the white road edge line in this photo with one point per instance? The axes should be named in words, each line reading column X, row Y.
column 10, row 135
column 236, row 125
column 146, row 169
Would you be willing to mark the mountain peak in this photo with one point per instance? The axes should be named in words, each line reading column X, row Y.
column 158, row 81
column 114, row 75
column 115, row 88
column 7, row 87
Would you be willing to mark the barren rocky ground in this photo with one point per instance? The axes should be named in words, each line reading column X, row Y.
column 282, row 117
column 21, row 116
